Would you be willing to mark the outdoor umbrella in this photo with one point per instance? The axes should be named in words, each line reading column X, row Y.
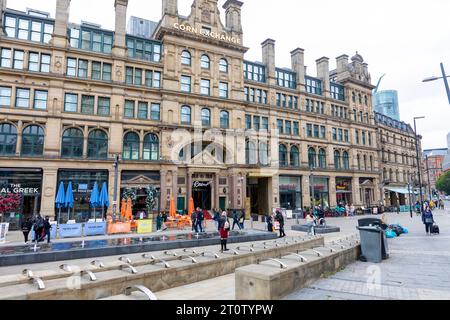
column 129, row 212
column 69, row 198
column 60, row 200
column 95, row 199
column 172, row 211
column 123, row 209
column 191, row 207
column 104, row 199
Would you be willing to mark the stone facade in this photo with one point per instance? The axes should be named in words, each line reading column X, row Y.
column 187, row 89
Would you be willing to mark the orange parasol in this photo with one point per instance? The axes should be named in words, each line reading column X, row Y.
column 123, row 209
column 191, row 207
column 129, row 212
column 172, row 211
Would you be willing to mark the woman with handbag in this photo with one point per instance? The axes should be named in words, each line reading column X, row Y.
column 428, row 220
column 224, row 229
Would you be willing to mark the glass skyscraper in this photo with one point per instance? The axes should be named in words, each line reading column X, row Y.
column 386, row 102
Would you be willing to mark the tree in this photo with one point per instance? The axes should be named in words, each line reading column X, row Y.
column 443, row 183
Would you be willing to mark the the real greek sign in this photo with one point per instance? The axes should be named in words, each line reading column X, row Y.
column 18, row 189
column 207, row 33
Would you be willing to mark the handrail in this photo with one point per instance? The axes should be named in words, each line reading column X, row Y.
column 189, row 257
column 240, row 248
column 36, row 280
column 150, row 295
column 128, row 266
column 125, row 259
column 148, row 256
column 282, row 265
column 171, row 253
column 166, row 264
column 319, row 254
column 302, row 258
column 216, row 256
column 66, row 268
column 331, row 249
column 98, row 264
column 91, row 275
column 190, row 251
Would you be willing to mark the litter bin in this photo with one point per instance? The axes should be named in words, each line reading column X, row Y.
column 371, row 243
column 372, row 222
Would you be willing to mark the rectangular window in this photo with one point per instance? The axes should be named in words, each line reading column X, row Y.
column 322, row 132
column 223, row 90
column 10, row 26
column 256, row 123
column 295, row 103
column 313, row 86
column 334, row 134
column 74, row 38
column 156, row 112
column 143, row 110
column 248, row 122
column 138, row 77
column 254, row 72
column 307, row 106
column 87, row 104
column 71, row 67
column 185, row 84
column 286, row 79
column 6, row 58
column 5, row 96
column 309, row 130
column 290, row 102
column 252, row 95
column 296, row 129
column 205, row 87
column 280, row 126
column 288, row 127
column 22, row 98
column 103, row 107
column 278, row 99
column 283, row 100
column 246, row 93
column 129, row 75
column 259, row 95
column 337, row 92
column 364, row 138
column 129, row 109
column 148, row 78
column 265, row 123
column 71, row 102
column 143, row 49
column 40, row 99
column 96, row 70
column 346, row 136
column 157, row 79
column 83, row 68
column 45, row 63
column 316, row 131
column 19, row 57
column 369, row 136
column 340, row 135
column 264, row 95
column 107, row 72
column 33, row 62
column 357, row 137
column 24, row 28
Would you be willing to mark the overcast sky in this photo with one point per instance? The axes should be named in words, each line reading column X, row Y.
column 404, row 39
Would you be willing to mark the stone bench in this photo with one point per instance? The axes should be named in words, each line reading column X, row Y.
column 275, row 279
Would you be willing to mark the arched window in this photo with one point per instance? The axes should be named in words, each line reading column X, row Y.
column 151, row 147
column 365, row 162
column 8, row 139
column 97, row 145
column 72, row 143
column 33, row 141
column 263, row 154
column 360, row 98
column 322, row 159
column 354, row 97
column 206, row 117
column 337, row 160
column 223, row 65
column 385, row 174
column 250, row 153
column 346, row 160
column 205, row 62
column 283, row 155
column 295, row 157
column 131, row 149
column 366, row 101
column 186, row 115
column 371, row 163
column 186, row 58
column 224, row 120
column 358, row 159
column 312, row 158
column 391, row 175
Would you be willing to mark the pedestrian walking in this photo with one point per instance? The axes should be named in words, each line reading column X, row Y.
column 310, row 222
column 200, row 219
column 269, row 221
column 194, row 221
column 242, row 221
column 159, row 222
column 236, row 219
column 216, row 218
column 279, row 217
column 38, row 228
column 224, row 230
column 428, row 220
column 26, row 227
column 47, row 228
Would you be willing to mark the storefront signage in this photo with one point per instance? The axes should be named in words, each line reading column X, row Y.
column 116, row 228
column 18, row 189
column 199, row 184
column 207, row 33
column 70, row 230
column 341, row 187
column 144, row 226
column 95, row 229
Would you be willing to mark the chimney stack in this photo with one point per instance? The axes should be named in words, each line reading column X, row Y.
column 170, row 7
column 298, row 65
column 233, row 15
column 268, row 57
column 119, row 48
column 61, row 24
column 2, row 11
column 342, row 67
column 323, row 73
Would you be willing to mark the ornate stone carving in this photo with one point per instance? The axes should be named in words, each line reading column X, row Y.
column 58, row 64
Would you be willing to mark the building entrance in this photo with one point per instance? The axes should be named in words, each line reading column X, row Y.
column 202, row 195
column 257, row 191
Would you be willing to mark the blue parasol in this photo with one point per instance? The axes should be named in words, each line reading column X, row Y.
column 104, row 198
column 95, row 200
column 69, row 202
column 60, row 200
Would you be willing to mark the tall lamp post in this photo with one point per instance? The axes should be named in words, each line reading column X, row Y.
column 444, row 77
column 429, row 181
column 116, row 177
column 419, row 163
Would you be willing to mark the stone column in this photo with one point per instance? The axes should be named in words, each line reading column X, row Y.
column 60, row 38
column 356, row 194
column 163, row 199
column 268, row 57
column 119, row 48
column 216, row 190
column 2, row 9
column 323, row 73
column 332, row 191
column 19, row 138
column 175, row 186
column 189, row 187
column 306, row 191
column 298, row 65
column 49, row 190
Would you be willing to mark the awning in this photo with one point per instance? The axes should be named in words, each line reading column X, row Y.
column 400, row 190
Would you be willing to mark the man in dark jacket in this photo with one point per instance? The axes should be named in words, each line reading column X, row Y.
column 200, row 219
column 428, row 220
column 47, row 228
column 26, row 228
column 236, row 219
column 194, row 221
column 38, row 228
column 279, row 217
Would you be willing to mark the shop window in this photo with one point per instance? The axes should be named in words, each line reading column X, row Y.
column 72, row 143
column 8, row 139
column 33, row 141
column 151, row 147
column 131, row 149
column 295, row 157
column 98, row 145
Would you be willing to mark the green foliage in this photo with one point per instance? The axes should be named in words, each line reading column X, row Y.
column 151, row 200
column 443, row 183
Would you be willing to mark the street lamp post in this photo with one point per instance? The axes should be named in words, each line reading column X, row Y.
column 311, row 169
column 419, row 164
column 409, row 195
column 116, row 177
column 444, row 77
column 429, row 181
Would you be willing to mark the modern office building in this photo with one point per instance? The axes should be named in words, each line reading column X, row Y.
column 446, row 164
column 184, row 111
column 386, row 103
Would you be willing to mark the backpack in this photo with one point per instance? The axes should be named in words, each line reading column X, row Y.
column 226, row 226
